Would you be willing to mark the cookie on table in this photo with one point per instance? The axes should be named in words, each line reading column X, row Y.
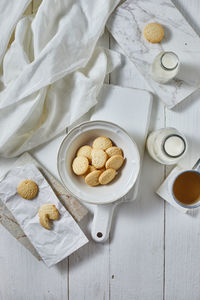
column 102, row 142
column 107, row 176
column 46, row 213
column 28, row 189
column 114, row 151
column 115, row 162
column 154, row 32
column 99, row 158
column 80, row 165
column 85, row 151
column 92, row 178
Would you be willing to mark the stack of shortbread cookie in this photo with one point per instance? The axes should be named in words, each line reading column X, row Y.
column 98, row 164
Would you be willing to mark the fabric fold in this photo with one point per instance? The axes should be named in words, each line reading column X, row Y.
column 53, row 71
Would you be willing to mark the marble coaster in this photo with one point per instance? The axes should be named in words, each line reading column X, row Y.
column 164, row 191
column 126, row 24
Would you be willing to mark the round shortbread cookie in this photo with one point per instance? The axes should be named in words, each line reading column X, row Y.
column 85, row 151
column 92, row 178
column 89, row 170
column 99, row 158
column 80, row 165
column 45, row 222
column 102, row 142
column 50, row 210
column 154, row 32
column 28, row 189
column 107, row 176
column 114, row 162
column 46, row 213
column 114, row 151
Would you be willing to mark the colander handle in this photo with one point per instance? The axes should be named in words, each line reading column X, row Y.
column 102, row 221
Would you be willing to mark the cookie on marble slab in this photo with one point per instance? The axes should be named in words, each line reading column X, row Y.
column 154, row 32
column 102, row 142
column 28, row 189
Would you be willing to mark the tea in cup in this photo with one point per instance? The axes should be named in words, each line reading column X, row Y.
column 186, row 187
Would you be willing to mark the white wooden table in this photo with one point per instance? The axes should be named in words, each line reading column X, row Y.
column 153, row 251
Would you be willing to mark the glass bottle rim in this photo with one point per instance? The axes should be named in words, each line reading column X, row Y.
column 161, row 61
column 174, row 156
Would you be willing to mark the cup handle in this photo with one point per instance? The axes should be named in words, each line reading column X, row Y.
column 197, row 166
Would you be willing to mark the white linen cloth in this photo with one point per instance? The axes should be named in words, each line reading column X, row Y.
column 65, row 235
column 52, row 72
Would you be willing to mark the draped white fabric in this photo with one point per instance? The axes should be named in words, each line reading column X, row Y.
column 52, row 72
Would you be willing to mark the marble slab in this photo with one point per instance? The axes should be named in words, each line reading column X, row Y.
column 77, row 210
column 126, row 24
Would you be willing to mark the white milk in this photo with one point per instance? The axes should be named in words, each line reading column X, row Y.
column 164, row 67
column 166, row 145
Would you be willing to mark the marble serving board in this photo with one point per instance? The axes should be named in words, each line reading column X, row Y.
column 126, row 24
column 77, row 210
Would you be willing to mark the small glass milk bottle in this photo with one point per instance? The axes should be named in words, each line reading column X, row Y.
column 166, row 145
column 164, row 67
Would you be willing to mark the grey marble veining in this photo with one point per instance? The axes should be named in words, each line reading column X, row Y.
column 126, row 24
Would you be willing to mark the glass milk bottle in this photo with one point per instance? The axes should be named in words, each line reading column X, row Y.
column 164, row 67
column 166, row 146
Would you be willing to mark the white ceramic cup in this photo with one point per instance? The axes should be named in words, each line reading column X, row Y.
column 195, row 169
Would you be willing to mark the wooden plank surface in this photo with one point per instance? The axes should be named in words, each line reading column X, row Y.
column 182, row 238
column 136, row 241
column 22, row 276
column 89, row 267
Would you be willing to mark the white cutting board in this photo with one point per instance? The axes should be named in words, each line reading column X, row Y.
column 130, row 109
